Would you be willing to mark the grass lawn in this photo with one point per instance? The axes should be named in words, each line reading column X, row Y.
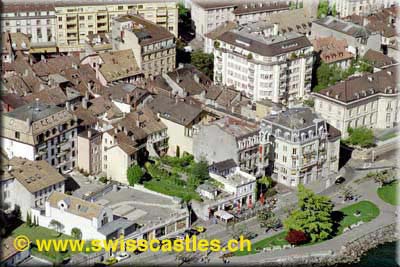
column 275, row 240
column 39, row 233
column 388, row 193
column 171, row 189
column 369, row 211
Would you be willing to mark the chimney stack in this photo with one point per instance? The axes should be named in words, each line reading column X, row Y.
column 89, row 134
column 85, row 103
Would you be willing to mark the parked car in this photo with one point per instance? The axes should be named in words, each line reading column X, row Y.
column 199, row 229
column 122, row 256
column 340, row 180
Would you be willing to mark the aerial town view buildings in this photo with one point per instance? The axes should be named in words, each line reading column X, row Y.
column 272, row 120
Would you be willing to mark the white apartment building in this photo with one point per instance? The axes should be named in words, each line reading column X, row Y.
column 37, row 21
column 93, row 220
column 368, row 101
column 264, row 66
column 38, row 131
column 298, row 147
column 153, row 46
column 346, row 8
column 209, row 14
column 27, row 184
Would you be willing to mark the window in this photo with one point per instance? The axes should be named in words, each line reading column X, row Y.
column 60, row 19
column 294, row 151
column 17, row 135
column 284, row 159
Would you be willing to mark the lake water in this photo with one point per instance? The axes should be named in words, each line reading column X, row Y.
column 381, row 256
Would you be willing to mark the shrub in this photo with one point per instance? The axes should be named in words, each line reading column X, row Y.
column 295, row 237
column 103, row 179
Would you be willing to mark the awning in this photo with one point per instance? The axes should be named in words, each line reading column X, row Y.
column 223, row 215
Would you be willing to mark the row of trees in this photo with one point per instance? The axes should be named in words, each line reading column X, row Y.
column 330, row 74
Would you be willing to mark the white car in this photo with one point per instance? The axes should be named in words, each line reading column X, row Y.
column 122, row 256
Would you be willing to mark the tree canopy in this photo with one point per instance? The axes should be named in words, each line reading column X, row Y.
column 362, row 137
column 134, row 174
column 203, row 62
column 313, row 215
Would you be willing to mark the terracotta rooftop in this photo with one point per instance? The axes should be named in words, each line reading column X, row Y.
column 146, row 31
column 381, row 82
column 236, row 127
column 331, row 49
column 34, row 175
column 378, row 59
column 175, row 110
column 76, row 206
column 118, row 65
column 225, row 27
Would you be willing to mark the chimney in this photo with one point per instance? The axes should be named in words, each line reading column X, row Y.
column 176, row 100
column 128, row 98
column 26, row 72
column 67, row 106
column 115, row 130
column 180, row 66
column 85, row 103
column 87, row 95
column 28, row 122
column 89, row 134
column 275, row 29
column 196, row 78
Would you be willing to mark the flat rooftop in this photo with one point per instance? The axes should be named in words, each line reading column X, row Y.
column 141, row 207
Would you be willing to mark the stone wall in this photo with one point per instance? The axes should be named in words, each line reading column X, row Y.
column 350, row 252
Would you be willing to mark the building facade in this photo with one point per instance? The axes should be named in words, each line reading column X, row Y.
column 76, row 22
column 153, row 46
column 89, row 151
column 346, row 8
column 359, row 38
column 277, row 68
column 28, row 184
column 38, row 21
column 298, row 147
column 228, row 138
column 369, row 101
column 38, row 131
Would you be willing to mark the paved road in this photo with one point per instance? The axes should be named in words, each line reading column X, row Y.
column 367, row 190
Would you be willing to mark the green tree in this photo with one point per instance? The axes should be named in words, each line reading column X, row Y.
column 362, row 137
column 313, row 215
column 323, row 8
column 333, row 10
column 182, row 11
column 203, row 62
column 384, row 177
column 59, row 227
column 28, row 219
column 76, row 233
column 265, row 183
column 134, row 174
column 200, row 170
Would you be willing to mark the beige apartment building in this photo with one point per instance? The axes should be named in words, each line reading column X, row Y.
column 76, row 20
column 89, row 151
column 68, row 23
column 368, row 101
column 153, row 46
column 298, row 147
column 37, row 131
